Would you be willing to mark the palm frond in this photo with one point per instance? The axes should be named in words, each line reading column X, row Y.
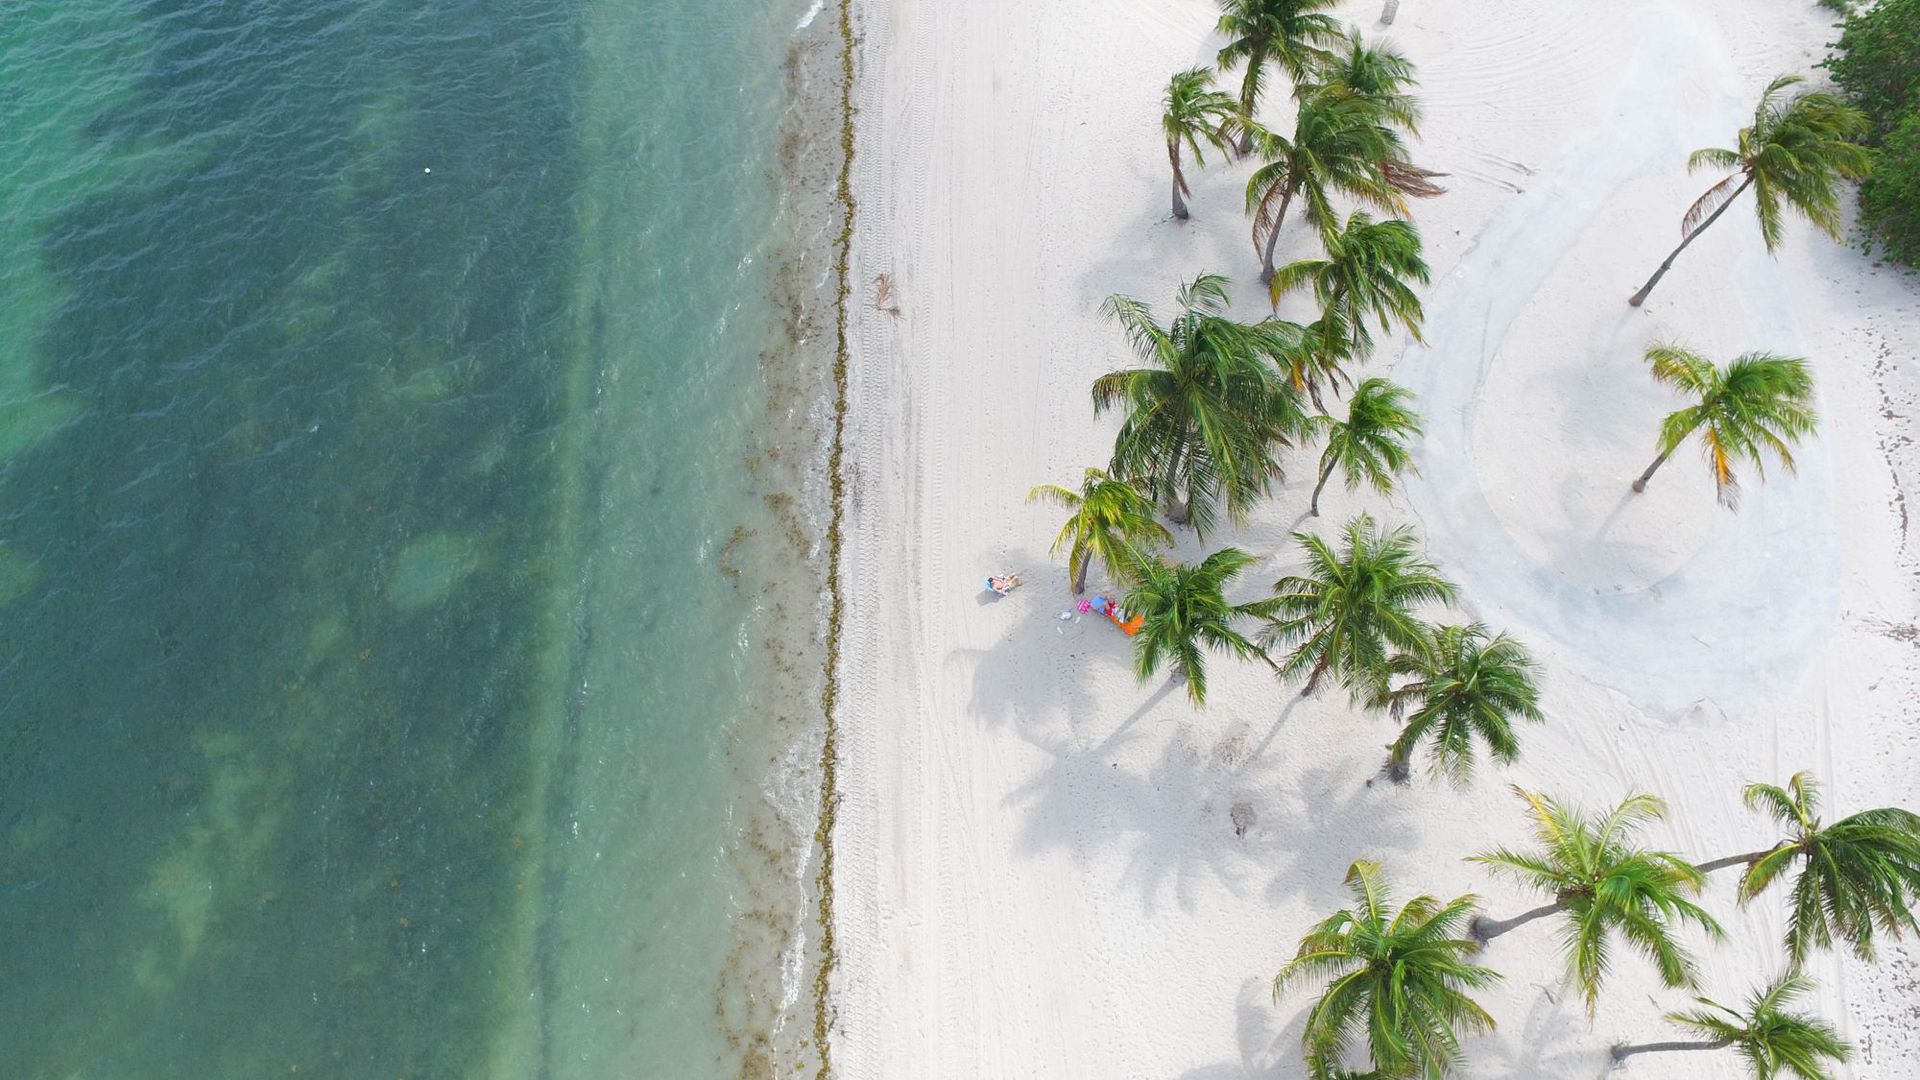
column 1186, row 614
column 1348, row 612
column 1714, row 198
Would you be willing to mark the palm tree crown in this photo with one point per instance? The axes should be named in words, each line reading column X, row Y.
column 1371, row 443
column 1108, row 517
column 1290, row 34
column 1186, row 613
column 1467, row 687
column 1857, row 874
column 1339, row 144
column 1775, row 1041
column 1321, row 358
column 1794, row 154
column 1402, row 976
column 1364, row 277
column 1349, row 608
column 1759, row 402
column 1605, row 886
column 1380, row 74
column 1196, row 115
column 1204, row 419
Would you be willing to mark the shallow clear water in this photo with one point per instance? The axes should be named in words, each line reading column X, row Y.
column 395, row 547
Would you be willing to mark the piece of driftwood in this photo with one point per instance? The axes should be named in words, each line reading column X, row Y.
column 1387, row 12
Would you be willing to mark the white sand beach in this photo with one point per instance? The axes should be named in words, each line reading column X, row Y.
column 1037, row 872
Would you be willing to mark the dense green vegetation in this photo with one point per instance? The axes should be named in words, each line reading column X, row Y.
column 1877, row 62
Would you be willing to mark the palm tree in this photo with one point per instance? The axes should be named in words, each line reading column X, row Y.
column 1606, row 887
column 1187, row 613
column 1109, row 517
column 1758, row 402
column 1206, row 415
column 1287, row 33
column 1364, row 275
column 1370, row 444
column 1196, row 115
column 1860, row 872
column 1793, row 155
column 1401, row 976
column 1320, row 359
column 1774, row 1041
column 1351, row 607
column 1377, row 73
column 1339, row 144
column 1466, row 687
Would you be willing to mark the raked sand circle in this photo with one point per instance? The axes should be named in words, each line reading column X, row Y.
column 1694, row 601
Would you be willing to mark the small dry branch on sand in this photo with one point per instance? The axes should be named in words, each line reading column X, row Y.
column 883, row 298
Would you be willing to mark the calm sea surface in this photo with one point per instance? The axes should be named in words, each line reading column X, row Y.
column 403, row 523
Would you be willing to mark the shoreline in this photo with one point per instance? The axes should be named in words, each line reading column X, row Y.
column 774, row 556
column 829, row 958
column 1037, row 869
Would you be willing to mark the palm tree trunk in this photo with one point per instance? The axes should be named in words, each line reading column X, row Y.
column 1171, row 503
column 1621, row 1053
column 1399, row 761
column 1484, row 929
column 1313, row 395
column 1248, row 86
column 1641, row 297
column 1326, row 470
column 1737, row 860
column 1641, row 483
column 1179, row 181
column 1273, row 235
column 1079, row 575
column 1313, row 680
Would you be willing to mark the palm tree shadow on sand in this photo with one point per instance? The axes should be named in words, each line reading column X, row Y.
column 1041, row 662
column 1554, row 1020
column 1208, row 807
column 1268, row 1038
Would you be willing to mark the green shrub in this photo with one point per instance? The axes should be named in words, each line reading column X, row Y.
column 1877, row 62
column 1890, row 198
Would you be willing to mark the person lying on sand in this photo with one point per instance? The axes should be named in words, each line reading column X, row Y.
column 1004, row 583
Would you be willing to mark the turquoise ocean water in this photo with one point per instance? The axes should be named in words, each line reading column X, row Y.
column 408, row 538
